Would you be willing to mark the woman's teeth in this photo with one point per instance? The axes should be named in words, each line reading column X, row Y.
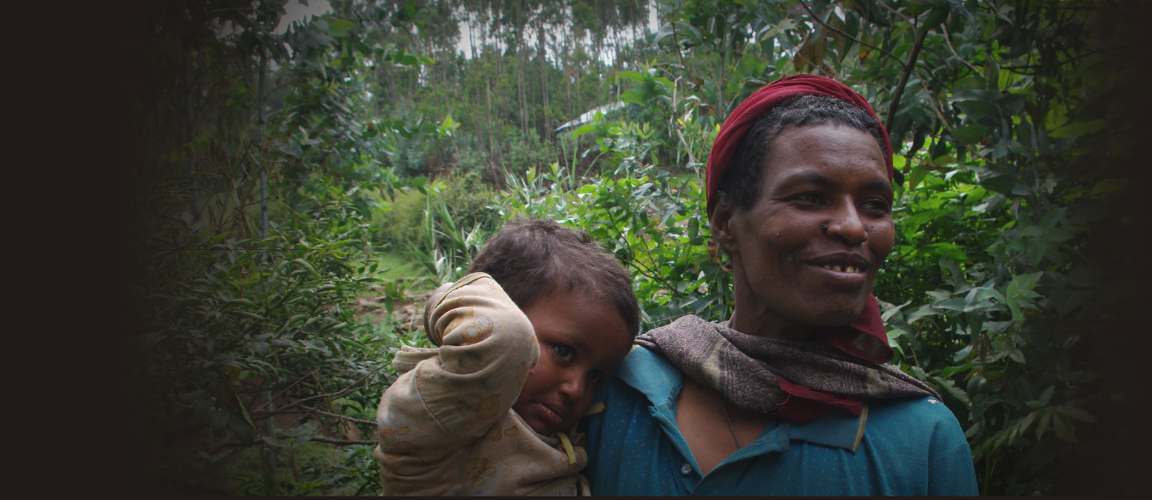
column 845, row 269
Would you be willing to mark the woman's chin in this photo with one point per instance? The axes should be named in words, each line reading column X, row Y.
column 832, row 315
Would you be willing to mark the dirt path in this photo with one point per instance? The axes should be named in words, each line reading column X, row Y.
column 407, row 311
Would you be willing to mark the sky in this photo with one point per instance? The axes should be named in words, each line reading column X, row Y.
column 296, row 11
column 465, row 45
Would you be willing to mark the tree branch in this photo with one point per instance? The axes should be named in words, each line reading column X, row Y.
column 691, row 157
column 953, row 49
column 336, row 415
column 850, row 37
column 340, row 441
column 908, row 67
column 676, row 40
column 304, row 409
column 933, row 105
column 238, row 444
column 646, row 270
column 331, row 394
column 931, row 75
column 907, row 20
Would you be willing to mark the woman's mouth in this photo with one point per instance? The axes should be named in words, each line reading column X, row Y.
column 842, row 275
column 843, row 269
column 842, row 264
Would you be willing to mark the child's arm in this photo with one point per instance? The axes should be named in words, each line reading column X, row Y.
column 487, row 347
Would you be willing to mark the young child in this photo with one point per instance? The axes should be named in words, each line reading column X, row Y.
column 543, row 315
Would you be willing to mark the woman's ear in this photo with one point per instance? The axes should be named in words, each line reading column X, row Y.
column 723, row 230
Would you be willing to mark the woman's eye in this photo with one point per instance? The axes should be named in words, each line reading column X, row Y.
column 563, row 352
column 810, row 197
column 878, row 206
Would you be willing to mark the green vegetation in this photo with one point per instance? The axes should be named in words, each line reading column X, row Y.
column 286, row 178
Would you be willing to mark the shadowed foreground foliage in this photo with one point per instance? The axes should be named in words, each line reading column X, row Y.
column 271, row 170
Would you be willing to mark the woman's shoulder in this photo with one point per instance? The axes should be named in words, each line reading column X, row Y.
column 918, row 419
column 649, row 373
column 924, row 409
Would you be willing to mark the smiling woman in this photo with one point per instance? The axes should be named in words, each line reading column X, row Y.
column 809, row 247
column 792, row 395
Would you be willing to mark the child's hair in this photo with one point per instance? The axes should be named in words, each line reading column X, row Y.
column 532, row 259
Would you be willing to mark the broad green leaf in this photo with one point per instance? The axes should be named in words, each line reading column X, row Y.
column 274, row 441
column 248, row 315
column 1063, row 427
column 950, row 388
column 303, row 263
column 1075, row 413
column 972, row 133
column 1046, row 396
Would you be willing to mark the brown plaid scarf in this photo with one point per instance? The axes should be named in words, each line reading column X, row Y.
column 796, row 380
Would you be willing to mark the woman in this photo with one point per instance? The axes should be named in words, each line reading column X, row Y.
column 791, row 395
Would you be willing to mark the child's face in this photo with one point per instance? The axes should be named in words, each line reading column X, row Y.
column 582, row 341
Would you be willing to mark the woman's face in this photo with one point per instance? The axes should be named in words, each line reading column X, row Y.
column 806, row 252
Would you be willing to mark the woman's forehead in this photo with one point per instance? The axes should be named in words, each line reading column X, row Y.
column 820, row 154
column 828, row 136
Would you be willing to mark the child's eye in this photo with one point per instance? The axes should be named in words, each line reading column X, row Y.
column 563, row 352
column 595, row 376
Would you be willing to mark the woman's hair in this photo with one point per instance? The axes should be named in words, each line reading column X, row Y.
column 741, row 180
column 535, row 258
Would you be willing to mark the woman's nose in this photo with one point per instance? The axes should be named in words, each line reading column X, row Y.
column 846, row 225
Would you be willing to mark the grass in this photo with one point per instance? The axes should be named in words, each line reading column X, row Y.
column 394, row 267
column 399, row 269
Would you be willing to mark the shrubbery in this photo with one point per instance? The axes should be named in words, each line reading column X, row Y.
column 418, row 222
column 1014, row 253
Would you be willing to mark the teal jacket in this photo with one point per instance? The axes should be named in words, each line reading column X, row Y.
column 911, row 446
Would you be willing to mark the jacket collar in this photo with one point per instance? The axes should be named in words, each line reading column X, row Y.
column 660, row 381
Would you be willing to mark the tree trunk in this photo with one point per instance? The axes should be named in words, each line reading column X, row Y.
column 263, row 152
column 543, row 55
column 491, row 131
column 520, row 86
column 191, row 160
column 720, row 114
column 899, row 92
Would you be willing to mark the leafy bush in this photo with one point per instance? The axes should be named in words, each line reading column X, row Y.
column 247, row 329
column 649, row 220
column 985, row 272
column 441, row 226
column 1014, row 251
column 526, row 150
column 395, row 224
column 248, row 248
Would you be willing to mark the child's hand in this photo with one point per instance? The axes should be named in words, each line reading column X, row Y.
column 432, row 298
column 437, row 292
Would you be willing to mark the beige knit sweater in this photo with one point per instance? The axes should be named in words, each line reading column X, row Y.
column 446, row 426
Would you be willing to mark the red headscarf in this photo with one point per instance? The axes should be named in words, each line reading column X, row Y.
column 866, row 337
column 763, row 100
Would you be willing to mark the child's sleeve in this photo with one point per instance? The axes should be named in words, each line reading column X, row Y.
column 487, row 347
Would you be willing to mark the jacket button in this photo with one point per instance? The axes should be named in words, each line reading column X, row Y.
column 686, row 469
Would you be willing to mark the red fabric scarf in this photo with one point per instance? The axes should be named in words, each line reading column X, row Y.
column 865, row 337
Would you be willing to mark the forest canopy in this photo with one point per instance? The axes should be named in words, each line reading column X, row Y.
column 294, row 190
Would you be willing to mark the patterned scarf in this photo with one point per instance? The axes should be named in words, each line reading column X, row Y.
column 795, row 380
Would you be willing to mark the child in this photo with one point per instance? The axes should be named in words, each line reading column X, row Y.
column 543, row 315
